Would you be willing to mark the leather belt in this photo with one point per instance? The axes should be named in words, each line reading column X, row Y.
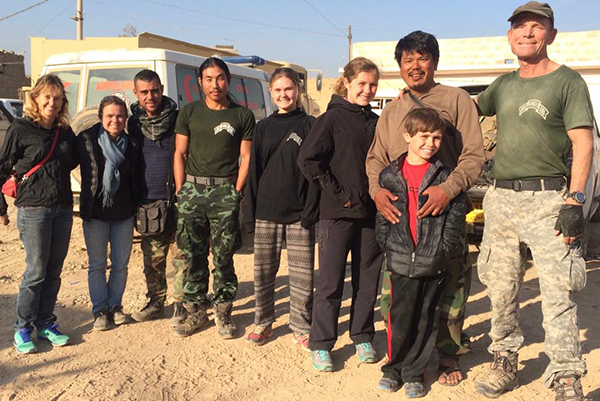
column 543, row 184
column 211, row 180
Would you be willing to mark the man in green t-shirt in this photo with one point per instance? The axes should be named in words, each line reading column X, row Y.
column 544, row 114
column 213, row 134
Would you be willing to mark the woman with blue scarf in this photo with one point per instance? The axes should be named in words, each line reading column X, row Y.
column 109, row 179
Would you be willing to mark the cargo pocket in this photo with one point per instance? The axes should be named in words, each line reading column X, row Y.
column 577, row 272
column 483, row 260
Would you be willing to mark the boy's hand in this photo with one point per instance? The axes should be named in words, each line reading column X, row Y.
column 383, row 201
column 435, row 205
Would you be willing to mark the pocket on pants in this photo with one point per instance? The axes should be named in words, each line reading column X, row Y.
column 483, row 262
column 577, row 272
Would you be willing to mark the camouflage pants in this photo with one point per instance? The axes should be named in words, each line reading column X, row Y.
column 513, row 221
column 450, row 340
column 208, row 219
column 155, row 249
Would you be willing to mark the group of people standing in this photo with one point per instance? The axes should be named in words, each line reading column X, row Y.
column 390, row 191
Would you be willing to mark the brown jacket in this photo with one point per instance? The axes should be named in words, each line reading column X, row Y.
column 461, row 149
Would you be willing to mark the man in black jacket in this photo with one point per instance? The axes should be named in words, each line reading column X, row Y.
column 152, row 123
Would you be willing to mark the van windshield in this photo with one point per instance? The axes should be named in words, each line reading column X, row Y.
column 70, row 80
column 111, row 81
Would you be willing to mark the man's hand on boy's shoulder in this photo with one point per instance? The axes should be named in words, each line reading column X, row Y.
column 436, row 203
column 383, row 202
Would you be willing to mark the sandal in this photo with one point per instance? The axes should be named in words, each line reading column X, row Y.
column 446, row 371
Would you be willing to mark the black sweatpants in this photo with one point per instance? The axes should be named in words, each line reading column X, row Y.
column 337, row 238
column 413, row 325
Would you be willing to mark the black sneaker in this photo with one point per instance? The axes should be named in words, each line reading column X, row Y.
column 101, row 320
column 118, row 316
column 154, row 309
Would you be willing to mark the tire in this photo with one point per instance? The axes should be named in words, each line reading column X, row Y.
column 85, row 119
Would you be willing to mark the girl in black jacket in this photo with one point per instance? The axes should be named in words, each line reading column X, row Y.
column 333, row 157
column 45, row 207
column 109, row 196
column 281, row 204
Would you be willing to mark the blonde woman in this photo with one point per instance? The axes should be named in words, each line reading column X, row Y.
column 44, row 207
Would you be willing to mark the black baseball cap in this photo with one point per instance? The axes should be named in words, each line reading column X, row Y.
column 534, row 7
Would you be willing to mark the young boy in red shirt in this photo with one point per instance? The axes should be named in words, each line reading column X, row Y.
column 417, row 250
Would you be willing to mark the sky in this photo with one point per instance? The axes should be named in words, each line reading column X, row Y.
column 312, row 33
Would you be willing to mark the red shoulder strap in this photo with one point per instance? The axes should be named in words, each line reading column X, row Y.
column 45, row 159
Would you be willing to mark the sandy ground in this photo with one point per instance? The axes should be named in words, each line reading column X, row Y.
column 144, row 361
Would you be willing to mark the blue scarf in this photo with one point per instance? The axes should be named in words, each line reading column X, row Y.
column 114, row 153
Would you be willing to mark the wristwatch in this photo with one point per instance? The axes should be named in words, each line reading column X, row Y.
column 577, row 196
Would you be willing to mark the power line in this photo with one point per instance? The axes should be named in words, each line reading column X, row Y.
column 326, row 19
column 241, row 20
column 23, row 10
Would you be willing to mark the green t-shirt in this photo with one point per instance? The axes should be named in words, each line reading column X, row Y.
column 534, row 115
column 215, row 137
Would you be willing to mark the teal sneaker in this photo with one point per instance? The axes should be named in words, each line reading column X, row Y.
column 23, row 342
column 366, row 353
column 321, row 360
column 52, row 335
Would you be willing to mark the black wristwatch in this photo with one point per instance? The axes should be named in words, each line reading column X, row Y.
column 578, row 197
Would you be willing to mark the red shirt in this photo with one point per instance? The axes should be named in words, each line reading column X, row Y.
column 413, row 174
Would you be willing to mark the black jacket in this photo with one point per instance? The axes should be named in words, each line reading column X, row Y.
column 135, row 131
column 92, row 168
column 25, row 145
column 333, row 157
column 438, row 237
column 276, row 190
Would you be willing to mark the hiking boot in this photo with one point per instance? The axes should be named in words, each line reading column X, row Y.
column 366, row 353
column 23, row 342
column 567, row 387
column 321, row 360
column 118, row 316
column 101, row 321
column 154, row 309
column 502, row 376
column 301, row 339
column 223, row 320
column 260, row 334
column 52, row 335
column 195, row 318
column 179, row 314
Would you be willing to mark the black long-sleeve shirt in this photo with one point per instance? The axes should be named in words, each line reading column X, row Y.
column 276, row 190
column 25, row 145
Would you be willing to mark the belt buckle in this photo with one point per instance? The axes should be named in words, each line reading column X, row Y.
column 210, row 181
column 517, row 185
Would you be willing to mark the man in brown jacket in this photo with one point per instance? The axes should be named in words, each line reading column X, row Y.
column 417, row 55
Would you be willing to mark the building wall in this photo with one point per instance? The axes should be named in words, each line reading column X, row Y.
column 12, row 74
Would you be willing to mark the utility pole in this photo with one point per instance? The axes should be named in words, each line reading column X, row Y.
column 349, row 43
column 79, row 19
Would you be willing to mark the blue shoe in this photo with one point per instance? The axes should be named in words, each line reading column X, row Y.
column 389, row 384
column 52, row 335
column 366, row 353
column 23, row 342
column 321, row 360
column 414, row 390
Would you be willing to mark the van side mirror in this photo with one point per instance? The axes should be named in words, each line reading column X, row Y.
column 319, row 81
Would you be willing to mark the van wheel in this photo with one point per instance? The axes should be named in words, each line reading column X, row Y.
column 85, row 119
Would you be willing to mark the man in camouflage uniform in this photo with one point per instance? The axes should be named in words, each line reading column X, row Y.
column 543, row 112
column 212, row 156
column 152, row 122
column 417, row 55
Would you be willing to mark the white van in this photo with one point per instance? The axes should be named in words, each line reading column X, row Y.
column 90, row 75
